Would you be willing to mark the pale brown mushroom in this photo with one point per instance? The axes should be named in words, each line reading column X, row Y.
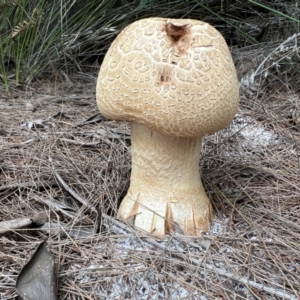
column 175, row 81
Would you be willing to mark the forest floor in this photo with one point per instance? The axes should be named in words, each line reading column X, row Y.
column 66, row 169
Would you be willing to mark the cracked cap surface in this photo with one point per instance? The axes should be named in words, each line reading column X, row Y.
column 176, row 76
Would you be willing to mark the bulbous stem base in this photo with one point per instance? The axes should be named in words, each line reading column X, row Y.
column 165, row 192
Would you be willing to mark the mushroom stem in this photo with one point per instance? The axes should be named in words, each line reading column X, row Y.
column 165, row 186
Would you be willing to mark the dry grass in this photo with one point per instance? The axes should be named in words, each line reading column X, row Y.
column 251, row 172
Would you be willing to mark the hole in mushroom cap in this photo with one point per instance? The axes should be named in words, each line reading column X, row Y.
column 176, row 32
column 180, row 36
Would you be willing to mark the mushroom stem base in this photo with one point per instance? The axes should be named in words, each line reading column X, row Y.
column 165, row 193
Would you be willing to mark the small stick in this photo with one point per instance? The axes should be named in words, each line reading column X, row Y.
column 21, row 223
column 73, row 193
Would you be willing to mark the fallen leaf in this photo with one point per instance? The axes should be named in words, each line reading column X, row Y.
column 37, row 279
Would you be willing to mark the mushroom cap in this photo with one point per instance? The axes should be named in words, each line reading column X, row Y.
column 175, row 76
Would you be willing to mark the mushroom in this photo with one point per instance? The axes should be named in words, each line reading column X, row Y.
column 175, row 81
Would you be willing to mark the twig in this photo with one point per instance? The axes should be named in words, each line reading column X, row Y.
column 20, row 223
column 55, row 205
column 7, row 147
column 73, row 193
column 78, row 198
column 29, row 184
